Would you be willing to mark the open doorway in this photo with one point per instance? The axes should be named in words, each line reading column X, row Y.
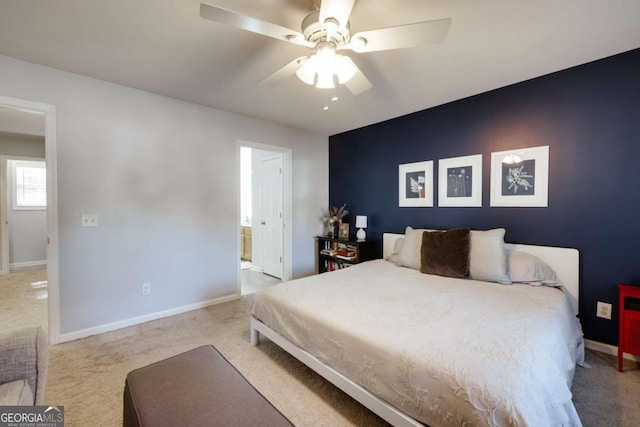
column 23, row 218
column 46, row 113
column 263, row 213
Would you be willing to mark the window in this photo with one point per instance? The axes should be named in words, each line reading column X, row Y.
column 29, row 185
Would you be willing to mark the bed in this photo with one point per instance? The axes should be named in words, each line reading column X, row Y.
column 422, row 349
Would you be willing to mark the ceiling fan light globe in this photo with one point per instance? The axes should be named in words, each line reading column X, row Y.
column 305, row 77
column 307, row 71
column 326, row 52
column 325, row 65
column 325, row 81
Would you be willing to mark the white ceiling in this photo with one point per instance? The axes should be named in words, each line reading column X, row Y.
column 163, row 46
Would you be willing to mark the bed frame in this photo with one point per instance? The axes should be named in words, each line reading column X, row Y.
column 563, row 261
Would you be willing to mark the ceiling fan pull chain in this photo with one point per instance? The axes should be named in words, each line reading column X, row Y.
column 326, row 104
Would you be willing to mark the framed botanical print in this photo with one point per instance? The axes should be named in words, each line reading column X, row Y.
column 460, row 181
column 520, row 178
column 415, row 184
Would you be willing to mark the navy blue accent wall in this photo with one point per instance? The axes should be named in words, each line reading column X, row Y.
column 590, row 118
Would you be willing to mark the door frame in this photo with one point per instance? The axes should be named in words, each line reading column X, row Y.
column 50, row 149
column 287, row 194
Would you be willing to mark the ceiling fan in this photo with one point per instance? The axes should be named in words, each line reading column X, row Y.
column 327, row 31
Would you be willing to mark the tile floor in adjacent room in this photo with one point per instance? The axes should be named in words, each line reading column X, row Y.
column 253, row 281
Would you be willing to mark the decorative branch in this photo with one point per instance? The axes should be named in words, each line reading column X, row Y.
column 334, row 214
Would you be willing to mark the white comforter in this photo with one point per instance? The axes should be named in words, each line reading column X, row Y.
column 445, row 351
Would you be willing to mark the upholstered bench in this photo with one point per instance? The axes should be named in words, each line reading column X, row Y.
column 196, row 388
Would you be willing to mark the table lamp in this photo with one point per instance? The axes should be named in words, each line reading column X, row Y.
column 361, row 224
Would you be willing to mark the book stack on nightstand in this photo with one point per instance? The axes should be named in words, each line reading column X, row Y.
column 336, row 254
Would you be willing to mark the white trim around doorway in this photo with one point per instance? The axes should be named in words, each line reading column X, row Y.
column 287, row 201
column 49, row 112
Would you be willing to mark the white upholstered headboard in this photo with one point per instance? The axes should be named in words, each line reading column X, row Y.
column 564, row 261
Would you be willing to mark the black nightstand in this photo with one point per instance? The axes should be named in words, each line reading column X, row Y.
column 335, row 254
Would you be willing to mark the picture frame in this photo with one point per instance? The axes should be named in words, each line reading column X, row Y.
column 343, row 232
column 520, row 177
column 415, row 184
column 460, row 181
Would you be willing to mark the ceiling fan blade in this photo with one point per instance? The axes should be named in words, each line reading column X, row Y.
column 340, row 10
column 358, row 83
column 243, row 22
column 282, row 73
column 402, row 36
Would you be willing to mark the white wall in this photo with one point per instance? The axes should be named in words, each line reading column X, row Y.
column 162, row 176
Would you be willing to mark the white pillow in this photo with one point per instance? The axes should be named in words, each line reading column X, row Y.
column 409, row 255
column 527, row 268
column 487, row 256
column 397, row 247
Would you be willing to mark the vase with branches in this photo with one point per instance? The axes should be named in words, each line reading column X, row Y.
column 332, row 217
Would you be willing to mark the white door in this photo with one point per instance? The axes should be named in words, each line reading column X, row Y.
column 272, row 221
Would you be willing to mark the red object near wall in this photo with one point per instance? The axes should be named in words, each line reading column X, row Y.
column 629, row 321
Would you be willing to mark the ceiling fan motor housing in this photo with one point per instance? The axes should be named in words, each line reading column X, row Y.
column 314, row 32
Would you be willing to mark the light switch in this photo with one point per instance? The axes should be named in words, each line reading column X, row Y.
column 89, row 220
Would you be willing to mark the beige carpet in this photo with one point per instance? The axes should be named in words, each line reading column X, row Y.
column 87, row 376
column 20, row 304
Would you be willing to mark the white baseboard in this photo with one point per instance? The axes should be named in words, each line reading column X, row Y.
column 15, row 266
column 71, row 336
column 608, row 349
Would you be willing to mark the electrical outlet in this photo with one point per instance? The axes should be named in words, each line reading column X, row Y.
column 89, row 220
column 604, row 310
column 146, row 288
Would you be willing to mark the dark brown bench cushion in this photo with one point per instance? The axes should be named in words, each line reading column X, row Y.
column 196, row 388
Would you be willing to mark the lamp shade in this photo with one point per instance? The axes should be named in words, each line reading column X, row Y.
column 361, row 221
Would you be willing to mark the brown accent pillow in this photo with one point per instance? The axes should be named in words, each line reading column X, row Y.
column 445, row 253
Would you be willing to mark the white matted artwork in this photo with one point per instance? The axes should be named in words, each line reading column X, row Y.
column 460, row 181
column 520, row 178
column 415, row 184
